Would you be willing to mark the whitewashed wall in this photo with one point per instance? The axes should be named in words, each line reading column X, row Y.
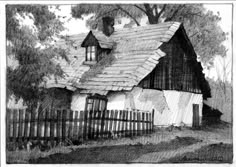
column 181, row 105
column 116, row 101
column 78, row 101
column 171, row 107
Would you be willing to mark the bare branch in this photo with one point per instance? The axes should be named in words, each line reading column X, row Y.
column 126, row 12
column 141, row 9
column 162, row 10
column 155, row 8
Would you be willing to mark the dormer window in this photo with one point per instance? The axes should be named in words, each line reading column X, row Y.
column 91, row 53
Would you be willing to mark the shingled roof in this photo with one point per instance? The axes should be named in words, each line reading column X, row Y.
column 137, row 51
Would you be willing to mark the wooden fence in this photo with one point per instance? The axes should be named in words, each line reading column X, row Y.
column 60, row 124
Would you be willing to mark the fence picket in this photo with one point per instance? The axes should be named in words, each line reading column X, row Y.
column 75, row 129
column 59, row 122
column 52, row 125
column 47, row 125
column 81, row 124
column 150, row 122
column 93, row 123
column 85, row 136
column 62, row 124
column 64, row 118
column 70, row 130
column 99, row 118
column 14, row 124
column 20, row 122
column 152, row 119
column 119, row 123
column 130, row 124
column 115, row 122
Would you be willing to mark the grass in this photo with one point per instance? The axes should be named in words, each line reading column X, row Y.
column 24, row 156
column 200, row 143
column 115, row 154
column 213, row 153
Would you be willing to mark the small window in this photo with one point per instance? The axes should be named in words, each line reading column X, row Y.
column 91, row 53
column 96, row 103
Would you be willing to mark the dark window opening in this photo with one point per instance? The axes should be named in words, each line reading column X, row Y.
column 91, row 53
column 96, row 103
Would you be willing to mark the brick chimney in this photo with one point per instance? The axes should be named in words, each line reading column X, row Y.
column 108, row 23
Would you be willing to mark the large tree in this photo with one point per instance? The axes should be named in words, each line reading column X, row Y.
column 201, row 25
column 31, row 51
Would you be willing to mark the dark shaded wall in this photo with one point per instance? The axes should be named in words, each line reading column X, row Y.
column 175, row 71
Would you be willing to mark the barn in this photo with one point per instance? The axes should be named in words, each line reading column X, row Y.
column 144, row 68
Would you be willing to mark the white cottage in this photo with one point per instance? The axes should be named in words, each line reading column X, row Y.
column 142, row 68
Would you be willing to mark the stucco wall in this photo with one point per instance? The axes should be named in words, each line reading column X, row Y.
column 171, row 107
column 116, row 101
column 181, row 106
column 78, row 101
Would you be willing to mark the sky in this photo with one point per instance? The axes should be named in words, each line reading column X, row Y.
column 76, row 26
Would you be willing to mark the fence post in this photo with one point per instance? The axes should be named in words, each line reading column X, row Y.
column 14, row 123
column 138, row 118
column 106, row 122
column 85, row 124
column 64, row 117
column 81, row 128
column 143, row 122
column 98, row 123
column 70, row 130
column 75, row 129
column 152, row 120
column 130, row 123
column 52, row 120
column 8, row 125
column 111, row 124
column 147, row 123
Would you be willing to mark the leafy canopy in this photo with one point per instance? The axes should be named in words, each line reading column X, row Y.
column 201, row 25
column 25, row 79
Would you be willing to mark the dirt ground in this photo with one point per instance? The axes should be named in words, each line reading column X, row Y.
column 211, row 144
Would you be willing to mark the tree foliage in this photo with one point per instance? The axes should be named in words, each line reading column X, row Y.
column 201, row 25
column 34, row 63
